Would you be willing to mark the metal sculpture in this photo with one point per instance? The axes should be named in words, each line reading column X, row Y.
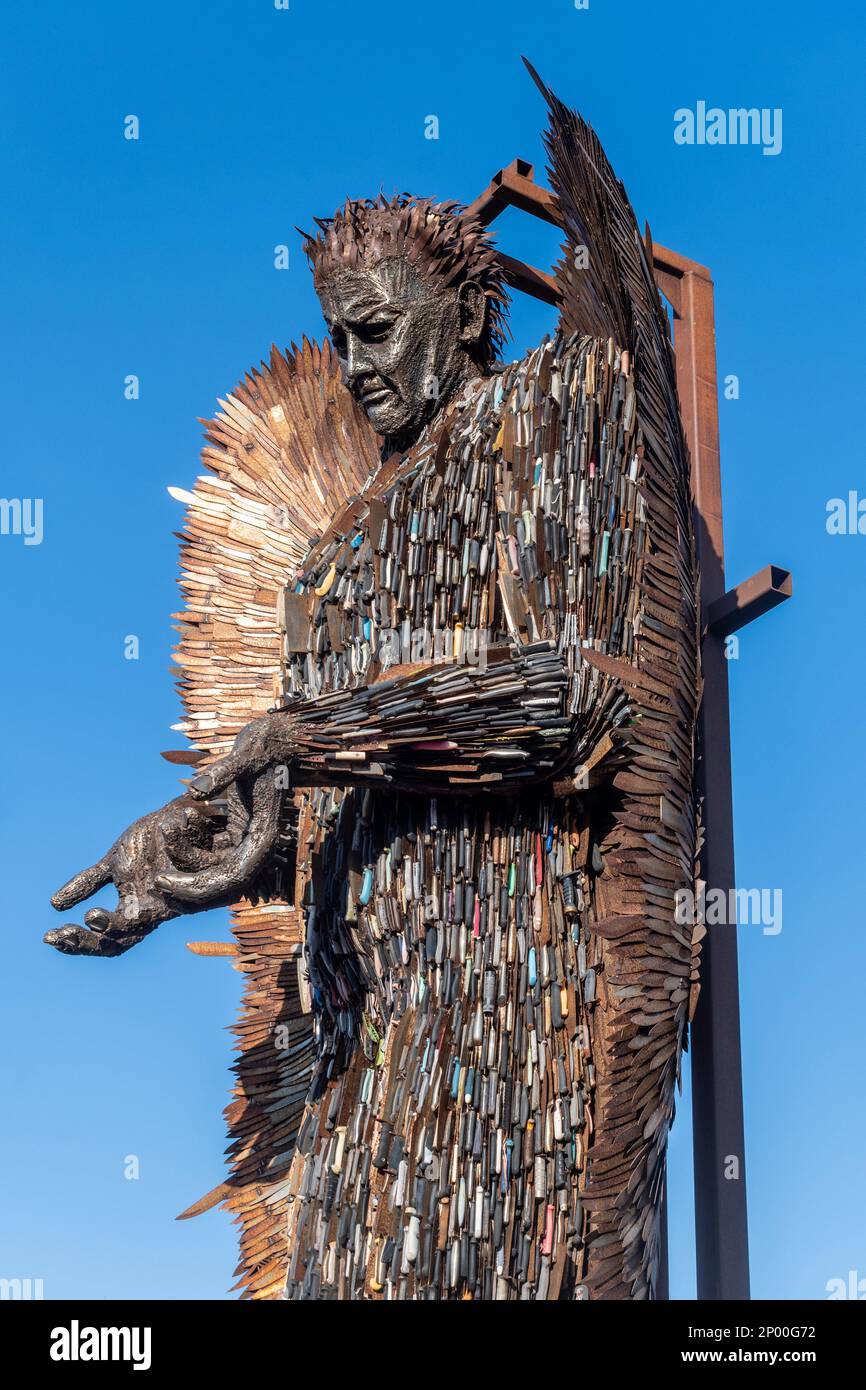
column 462, row 812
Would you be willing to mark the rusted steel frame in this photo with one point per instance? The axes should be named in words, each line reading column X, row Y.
column 749, row 600
column 515, row 186
column 721, row 1224
column 529, row 279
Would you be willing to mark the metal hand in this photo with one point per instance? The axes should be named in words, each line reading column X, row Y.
column 181, row 834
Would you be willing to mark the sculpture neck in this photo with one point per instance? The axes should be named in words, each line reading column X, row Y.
column 468, row 374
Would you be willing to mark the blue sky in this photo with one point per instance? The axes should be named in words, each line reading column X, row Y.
column 155, row 257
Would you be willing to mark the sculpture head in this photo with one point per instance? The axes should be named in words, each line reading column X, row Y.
column 414, row 301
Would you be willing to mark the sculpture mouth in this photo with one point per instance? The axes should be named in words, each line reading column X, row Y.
column 376, row 395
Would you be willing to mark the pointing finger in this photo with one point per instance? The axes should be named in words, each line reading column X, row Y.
column 81, row 886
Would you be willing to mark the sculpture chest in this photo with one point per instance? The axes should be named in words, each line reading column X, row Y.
column 406, row 574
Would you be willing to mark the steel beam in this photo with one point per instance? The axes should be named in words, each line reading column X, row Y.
column 749, row 600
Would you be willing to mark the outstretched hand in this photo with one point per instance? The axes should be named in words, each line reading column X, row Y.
column 131, row 863
column 221, row 848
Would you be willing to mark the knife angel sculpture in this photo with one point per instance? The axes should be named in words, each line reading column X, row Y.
column 453, row 784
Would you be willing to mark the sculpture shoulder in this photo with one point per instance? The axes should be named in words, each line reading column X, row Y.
column 559, row 369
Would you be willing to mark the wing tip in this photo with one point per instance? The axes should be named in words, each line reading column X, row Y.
column 533, row 73
column 210, row 1199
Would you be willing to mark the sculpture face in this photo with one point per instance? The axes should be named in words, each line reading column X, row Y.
column 404, row 342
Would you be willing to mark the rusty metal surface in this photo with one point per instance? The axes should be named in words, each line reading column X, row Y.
column 750, row 600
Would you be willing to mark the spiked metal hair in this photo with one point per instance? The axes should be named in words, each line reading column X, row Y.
column 440, row 240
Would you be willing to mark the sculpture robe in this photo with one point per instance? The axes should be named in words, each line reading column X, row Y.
column 498, row 981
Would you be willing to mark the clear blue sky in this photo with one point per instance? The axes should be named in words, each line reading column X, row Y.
column 156, row 258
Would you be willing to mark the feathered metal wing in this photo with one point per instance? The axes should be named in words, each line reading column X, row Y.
column 288, row 444
column 651, row 957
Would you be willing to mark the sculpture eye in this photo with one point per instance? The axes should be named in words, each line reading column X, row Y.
column 376, row 330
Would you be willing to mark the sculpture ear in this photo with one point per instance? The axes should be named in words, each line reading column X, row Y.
column 472, row 303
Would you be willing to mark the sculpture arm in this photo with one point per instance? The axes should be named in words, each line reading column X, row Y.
column 448, row 727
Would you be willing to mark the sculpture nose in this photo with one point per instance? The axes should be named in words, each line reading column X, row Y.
column 358, row 362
